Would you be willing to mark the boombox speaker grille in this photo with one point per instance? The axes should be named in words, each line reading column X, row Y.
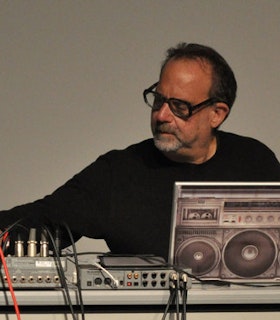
column 199, row 254
column 249, row 253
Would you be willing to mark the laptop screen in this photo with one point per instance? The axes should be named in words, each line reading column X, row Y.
column 226, row 231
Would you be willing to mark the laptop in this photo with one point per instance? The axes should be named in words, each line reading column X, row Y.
column 226, row 231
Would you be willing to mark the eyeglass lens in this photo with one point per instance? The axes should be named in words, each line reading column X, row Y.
column 156, row 100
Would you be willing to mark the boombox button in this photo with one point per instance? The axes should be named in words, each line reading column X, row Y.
column 270, row 218
column 248, row 219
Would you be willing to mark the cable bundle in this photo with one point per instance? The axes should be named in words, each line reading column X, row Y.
column 44, row 251
column 178, row 290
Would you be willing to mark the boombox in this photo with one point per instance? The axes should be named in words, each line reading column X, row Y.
column 228, row 236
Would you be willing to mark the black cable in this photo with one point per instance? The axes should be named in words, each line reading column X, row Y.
column 10, row 227
column 170, row 300
column 174, row 296
column 6, row 243
column 184, row 299
column 71, row 254
column 177, row 298
column 61, row 273
column 225, row 283
column 77, row 269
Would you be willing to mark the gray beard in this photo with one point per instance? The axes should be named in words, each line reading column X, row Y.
column 167, row 145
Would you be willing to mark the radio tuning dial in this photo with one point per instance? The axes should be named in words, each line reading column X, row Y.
column 270, row 218
column 248, row 219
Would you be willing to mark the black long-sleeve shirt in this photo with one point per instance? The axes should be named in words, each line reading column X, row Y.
column 125, row 196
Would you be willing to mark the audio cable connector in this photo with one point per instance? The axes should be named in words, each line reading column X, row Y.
column 19, row 248
column 32, row 243
column 44, row 244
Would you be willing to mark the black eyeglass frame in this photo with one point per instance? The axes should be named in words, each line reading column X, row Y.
column 191, row 108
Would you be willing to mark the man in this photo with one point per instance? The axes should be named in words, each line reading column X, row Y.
column 183, row 138
column 125, row 196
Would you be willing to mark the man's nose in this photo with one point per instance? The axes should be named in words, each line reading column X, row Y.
column 164, row 113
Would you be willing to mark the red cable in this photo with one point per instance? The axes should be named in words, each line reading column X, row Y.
column 9, row 283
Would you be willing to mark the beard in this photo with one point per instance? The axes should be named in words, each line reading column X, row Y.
column 166, row 139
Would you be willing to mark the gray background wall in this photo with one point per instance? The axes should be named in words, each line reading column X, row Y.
column 72, row 75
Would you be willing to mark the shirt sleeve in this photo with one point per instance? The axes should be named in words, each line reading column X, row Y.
column 82, row 203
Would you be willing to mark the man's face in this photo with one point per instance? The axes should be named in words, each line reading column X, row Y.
column 188, row 80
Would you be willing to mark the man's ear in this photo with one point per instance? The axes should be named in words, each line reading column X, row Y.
column 220, row 112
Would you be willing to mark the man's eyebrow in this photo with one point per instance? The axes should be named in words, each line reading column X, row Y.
column 174, row 98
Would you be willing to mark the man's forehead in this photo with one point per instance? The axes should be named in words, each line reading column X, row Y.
column 199, row 62
column 186, row 74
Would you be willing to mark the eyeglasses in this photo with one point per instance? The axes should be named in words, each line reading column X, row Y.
column 180, row 108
